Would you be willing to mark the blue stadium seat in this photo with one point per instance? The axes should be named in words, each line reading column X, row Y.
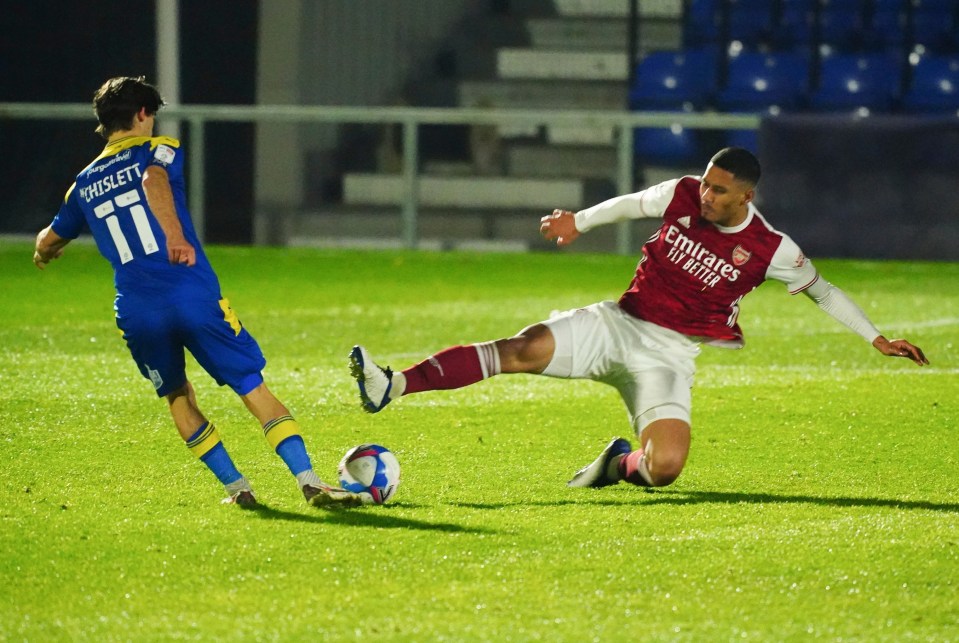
column 701, row 23
column 756, row 81
column 843, row 5
column 748, row 24
column 840, row 26
column 935, row 6
column 934, row 30
column 934, row 87
column 673, row 80
column 891, row 5
column 745, row 138
column 885, row 30
column 848, row 82
column 794, row 27
column 674, row 146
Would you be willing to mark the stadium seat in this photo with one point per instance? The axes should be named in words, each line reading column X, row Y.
column 673, row 146
column 843, row 5
column 701, row 23
column 756, row 81
column 934, row 6
column 933, row 30
column 840, row 27
column 793, row 29
column 748, row 24
column 848, row 82
column 934, row 87
column 885, row 30
column 745, row 138
column 674, row 80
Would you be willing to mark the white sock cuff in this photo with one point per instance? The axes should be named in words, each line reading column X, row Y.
column 308, row 477
column 238, row 485
column 488, row 358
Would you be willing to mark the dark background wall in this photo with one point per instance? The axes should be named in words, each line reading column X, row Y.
column 54, row 51
column 883, row 187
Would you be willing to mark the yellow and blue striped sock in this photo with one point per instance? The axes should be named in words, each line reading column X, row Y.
column 283, row 434
column 206, row 445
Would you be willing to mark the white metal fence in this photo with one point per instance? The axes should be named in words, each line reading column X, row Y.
column 197, row 116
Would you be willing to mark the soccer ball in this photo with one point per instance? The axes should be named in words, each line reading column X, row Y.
column 371, row 471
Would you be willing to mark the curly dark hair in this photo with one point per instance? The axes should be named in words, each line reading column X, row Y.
column 119, row 99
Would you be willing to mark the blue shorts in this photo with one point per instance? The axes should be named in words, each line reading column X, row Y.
column 208, row 329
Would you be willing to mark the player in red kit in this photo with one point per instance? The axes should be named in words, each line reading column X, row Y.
column 713, row 248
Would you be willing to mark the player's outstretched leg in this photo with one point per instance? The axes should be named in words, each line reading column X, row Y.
column 603, row 471
column 373, row 381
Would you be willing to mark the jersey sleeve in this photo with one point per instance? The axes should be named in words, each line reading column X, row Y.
column 790, row 266
column 69, row 221
column 167, row 153
column 645, row 204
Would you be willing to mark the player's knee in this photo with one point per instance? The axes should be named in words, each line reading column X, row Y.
column 665, row 475
column 179, row 392
column 665, row 466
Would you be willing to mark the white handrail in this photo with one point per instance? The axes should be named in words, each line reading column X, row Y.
column 622, row 122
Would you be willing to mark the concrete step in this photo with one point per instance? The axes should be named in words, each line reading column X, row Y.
column 552, row 94
column 540, row 161
column 445, row 229
column 601, row 34
column 592, row 135
column 571, row 65
column 463, row 192
column 549, row 161
column 619, row 8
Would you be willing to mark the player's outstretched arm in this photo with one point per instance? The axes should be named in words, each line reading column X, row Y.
column 836, row 303
column 559, row 226
column 900, row 348
column 49, row 246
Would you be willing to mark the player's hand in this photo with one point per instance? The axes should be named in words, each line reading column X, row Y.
column 41, row 260
column 181, row 251
column 900, row 348
column 561, row 226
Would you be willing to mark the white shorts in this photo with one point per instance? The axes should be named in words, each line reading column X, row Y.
column 652, row 367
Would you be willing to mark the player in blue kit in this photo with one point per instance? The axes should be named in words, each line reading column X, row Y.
column 132, row 198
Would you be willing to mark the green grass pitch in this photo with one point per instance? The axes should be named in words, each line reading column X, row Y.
column 819, row 501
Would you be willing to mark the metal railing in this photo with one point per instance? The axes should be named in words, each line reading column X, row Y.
column 622, row 123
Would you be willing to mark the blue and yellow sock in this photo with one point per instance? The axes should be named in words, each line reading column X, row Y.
column 283, row 434
column 206, row 445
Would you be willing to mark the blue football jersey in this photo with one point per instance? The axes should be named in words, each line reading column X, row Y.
column 108, row 198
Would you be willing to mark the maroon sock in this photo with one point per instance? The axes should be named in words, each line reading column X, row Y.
column 451, row 368
column 629, row 468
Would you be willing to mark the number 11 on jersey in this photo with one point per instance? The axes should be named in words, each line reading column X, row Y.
column 129, row 201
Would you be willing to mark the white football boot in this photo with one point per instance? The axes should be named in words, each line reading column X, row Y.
column 374, row 382
column 596, row 474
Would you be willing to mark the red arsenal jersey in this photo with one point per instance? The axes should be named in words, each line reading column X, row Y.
column 693, row 273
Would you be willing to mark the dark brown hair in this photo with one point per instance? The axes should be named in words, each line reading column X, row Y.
column 119, row 99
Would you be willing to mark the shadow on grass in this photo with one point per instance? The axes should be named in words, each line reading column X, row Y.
column 646, row 497
column 676, row 497
column 377, row 517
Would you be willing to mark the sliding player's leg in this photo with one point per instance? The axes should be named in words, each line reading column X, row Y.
column 530, row 351
column 659, row 461
column 653, row 373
